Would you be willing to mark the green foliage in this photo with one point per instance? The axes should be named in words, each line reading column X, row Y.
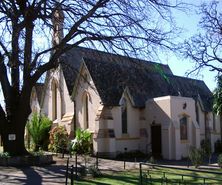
column 196, row 156
column 206, row 147
column 219, row 160
column 5, row 155
column 152, row 160
column 217, row 94
column 38, row 153
column 94, row 171
column 58, row 139
column 218, row 146
column 82, row 144
column 38, row 128
column 131, row 155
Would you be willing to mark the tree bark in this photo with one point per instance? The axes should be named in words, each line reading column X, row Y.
column 13, row 139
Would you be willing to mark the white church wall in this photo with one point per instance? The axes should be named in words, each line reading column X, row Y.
column 87, row 87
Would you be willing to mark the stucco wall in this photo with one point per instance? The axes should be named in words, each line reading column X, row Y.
column 158, row 113
column 86, row 86
column 64, row 103
column 131, row 140
column 167, row 111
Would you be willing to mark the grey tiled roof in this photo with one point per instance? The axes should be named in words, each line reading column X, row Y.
column 113, row 73
column 71, row 61
column 112, row 78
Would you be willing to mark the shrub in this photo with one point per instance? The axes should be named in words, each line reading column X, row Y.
column 196, row 156
column 206, row 147
column 38, row 128
column 219, row 160
column 4, row 155
column 38, row 153
column 94, row 171
column 218, row 146
column 131, row 155
column 82, row 144
column 152, row 160
column 58, row 139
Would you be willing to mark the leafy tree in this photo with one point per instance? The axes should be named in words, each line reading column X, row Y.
column 217, row 104
column 38, row 128
column 122, row 26
column 205, row 48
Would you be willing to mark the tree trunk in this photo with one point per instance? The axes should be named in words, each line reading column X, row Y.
column 13, row 138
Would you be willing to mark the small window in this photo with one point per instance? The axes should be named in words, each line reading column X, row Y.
column 183, row 128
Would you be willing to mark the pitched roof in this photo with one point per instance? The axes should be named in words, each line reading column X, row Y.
column 113, row 73
column 72, row 59
column 111, row 78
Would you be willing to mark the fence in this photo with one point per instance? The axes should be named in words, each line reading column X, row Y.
column 73, row 169
column 160, row 174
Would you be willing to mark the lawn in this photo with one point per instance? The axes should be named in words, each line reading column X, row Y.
column 120, row 178
column 155, row 175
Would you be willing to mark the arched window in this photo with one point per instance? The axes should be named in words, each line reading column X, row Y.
column 124, row 116
column 183, row 128
column 86, row 110
column 197, row 113
column 54, row 100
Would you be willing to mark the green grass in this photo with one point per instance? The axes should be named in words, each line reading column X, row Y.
column 189, row 177
column 132, row 177
column 119, row 178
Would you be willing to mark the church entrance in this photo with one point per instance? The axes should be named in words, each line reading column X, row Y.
column 156, row 140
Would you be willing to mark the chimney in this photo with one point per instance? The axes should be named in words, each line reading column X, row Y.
column 57, row 21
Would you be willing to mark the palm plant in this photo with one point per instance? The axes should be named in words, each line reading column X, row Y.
column 82, row 143
column 38, row 128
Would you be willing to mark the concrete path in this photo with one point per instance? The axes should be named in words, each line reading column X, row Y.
column 55, row 174
column 48, row 175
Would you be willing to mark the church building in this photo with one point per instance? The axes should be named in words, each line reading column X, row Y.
column 127, row 104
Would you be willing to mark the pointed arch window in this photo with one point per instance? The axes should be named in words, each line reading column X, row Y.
column 86, row 110
column 124, row 116
column 183, row 128
column 54, row 101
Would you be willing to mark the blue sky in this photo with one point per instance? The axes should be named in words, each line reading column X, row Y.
column 189, row 21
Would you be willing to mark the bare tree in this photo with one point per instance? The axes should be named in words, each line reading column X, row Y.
column 123, row 26
column 205, row 48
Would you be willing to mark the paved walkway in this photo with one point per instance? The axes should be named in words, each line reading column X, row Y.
column 55, row 174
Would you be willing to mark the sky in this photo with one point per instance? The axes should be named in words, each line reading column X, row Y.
column 179, row 66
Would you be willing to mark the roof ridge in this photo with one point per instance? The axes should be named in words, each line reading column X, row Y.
column 119, row 55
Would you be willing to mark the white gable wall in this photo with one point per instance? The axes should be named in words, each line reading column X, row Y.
column 64, row 103
column 130, row 140
column 86, row 86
